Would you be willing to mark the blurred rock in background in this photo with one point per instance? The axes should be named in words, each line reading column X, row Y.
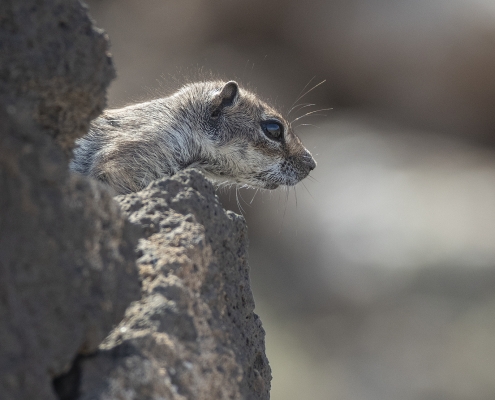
column 379, row 283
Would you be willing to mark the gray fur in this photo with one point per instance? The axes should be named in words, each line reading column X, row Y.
column 213, row 126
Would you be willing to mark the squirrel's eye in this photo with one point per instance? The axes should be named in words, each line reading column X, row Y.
column 274, row 130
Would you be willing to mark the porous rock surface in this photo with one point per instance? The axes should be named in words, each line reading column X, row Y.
column 194, row 334
column 67, row 263
column 67, row 260
column 55, row 64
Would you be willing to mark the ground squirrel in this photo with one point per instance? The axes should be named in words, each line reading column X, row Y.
column 217, row 127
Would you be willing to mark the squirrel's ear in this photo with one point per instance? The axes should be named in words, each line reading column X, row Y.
column 228, row 94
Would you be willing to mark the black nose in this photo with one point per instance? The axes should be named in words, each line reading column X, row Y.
column 311, row 163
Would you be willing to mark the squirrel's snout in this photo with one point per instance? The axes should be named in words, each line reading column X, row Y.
column 311, row 163
column 308, row 161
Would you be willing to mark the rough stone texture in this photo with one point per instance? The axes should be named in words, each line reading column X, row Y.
column 55, row 61
column 67, row 265
column 67, row 262
column 194, row 334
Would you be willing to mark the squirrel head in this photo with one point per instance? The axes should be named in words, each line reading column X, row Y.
column 244, row 140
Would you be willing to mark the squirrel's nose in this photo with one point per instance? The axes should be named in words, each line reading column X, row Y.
column 309, row 161
column 312, row 164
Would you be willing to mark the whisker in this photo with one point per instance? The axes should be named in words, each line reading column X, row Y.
column 305, row 105
column 286, row 200
column 303, row 89
column 255, row 193
column 316, row 126
column 307, row 190
column 313, row 114
column 300, row 106
column 310, row 113
column 313, row 178
column 305, row 86
column 308, row 91
column 245, row 186
column 238, row 202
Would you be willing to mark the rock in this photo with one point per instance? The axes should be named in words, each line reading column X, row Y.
column 56, row 63
column 194, row 334
column 67, row 264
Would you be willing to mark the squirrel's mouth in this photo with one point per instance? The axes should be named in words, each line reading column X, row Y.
column 271, row 186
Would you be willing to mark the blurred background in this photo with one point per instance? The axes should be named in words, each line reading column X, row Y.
column 376, row 278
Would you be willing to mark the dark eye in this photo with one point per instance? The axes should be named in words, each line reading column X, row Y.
column 274, row 130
